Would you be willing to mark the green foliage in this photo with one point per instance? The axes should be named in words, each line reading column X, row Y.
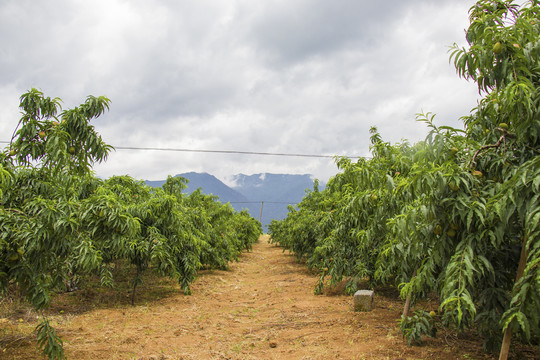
column 58, row 222
column 45, row 137
column 453, row 214
column 415, row 327
column 48, row 342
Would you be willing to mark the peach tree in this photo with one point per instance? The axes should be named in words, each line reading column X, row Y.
column 59, row 223
column 457, row 214
column 46, row 177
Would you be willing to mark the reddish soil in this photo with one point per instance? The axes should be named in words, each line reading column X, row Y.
column 262, row 308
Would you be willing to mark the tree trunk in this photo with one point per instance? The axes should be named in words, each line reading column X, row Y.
column 407, row 306
column 133, row 293
column 507, row 339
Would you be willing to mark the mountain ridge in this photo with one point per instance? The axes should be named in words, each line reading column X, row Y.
column 269, row 192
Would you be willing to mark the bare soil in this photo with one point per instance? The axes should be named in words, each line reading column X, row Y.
column 262, row 308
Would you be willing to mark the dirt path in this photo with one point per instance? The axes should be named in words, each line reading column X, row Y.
column 262, row 308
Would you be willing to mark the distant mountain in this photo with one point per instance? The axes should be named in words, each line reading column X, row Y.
column 271, row 192
column 209, row 184
column 273, row 187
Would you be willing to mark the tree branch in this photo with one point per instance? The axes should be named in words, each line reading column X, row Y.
column 496, row 145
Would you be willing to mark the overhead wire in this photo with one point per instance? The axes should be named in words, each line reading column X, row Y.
column 231, row 152
column 226, row 152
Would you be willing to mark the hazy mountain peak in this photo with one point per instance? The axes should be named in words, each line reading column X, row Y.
column 277, row 191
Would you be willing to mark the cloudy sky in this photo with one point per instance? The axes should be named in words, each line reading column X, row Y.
column 276, row 76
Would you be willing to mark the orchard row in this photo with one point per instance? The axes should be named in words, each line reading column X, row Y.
column 59, row 223
column 456, row 215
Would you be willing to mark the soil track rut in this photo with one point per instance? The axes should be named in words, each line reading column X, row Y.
column 262, row 308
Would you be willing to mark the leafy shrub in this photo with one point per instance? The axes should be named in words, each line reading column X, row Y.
column 414, row 328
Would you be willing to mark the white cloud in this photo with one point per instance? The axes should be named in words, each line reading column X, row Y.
column 282, row 76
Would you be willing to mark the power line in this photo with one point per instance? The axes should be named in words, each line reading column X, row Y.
column 229, row 152
column 225, row 152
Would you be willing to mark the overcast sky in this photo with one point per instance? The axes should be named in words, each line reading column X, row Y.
column 286, row 76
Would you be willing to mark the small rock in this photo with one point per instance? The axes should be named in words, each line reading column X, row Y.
column 363, row 300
